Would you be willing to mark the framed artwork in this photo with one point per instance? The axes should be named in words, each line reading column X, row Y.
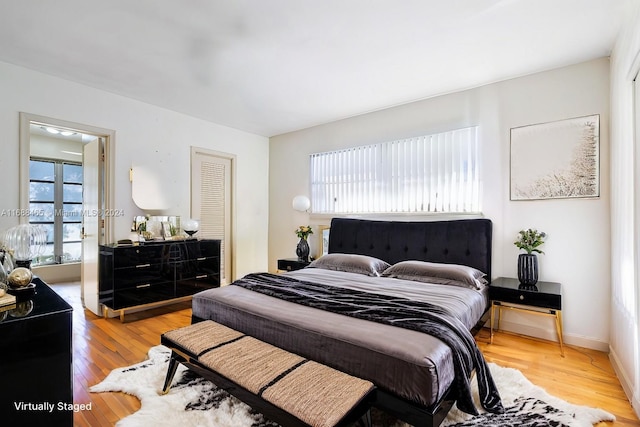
column 138, row 221
column 166, row 230
column 323, row 240
column 556, row 160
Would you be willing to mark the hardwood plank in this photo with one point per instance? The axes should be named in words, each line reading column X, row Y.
column 583, row 377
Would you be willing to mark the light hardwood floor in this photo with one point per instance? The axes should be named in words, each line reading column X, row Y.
column 583, row 377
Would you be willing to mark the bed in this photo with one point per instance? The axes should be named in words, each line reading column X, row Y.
column 414, row 371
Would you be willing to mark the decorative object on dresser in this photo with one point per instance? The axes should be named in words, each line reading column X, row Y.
column 20, row 277
column 168, row 230
column 6, row 263
column 7, row 301
column 529, row 240
column 191, row 227
column 545, row 298
column 302, row 250
column 153, row 227
column 291, row 264
column 25, row 242
column 134, row 276
column 3, row 271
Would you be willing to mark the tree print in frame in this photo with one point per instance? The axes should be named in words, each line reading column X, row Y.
column 556, row 160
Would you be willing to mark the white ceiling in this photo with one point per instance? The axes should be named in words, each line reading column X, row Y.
column 274, row 66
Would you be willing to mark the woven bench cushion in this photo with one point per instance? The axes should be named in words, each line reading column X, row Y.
column 314, row 393
column 202, row 336
column 317, row 394
column 249, row 362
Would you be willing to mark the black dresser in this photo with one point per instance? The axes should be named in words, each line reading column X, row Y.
column 36, row 360
column 133, row 276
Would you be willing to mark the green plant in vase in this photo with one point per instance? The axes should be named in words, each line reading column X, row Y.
column 529, row 240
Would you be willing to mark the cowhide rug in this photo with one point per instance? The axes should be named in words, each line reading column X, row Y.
column 194, row 401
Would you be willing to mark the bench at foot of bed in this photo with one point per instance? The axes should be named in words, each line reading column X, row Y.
column 285, row 387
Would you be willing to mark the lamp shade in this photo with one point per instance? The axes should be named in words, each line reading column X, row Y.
column 191, row 226
column 26, row 241
column 301, row 203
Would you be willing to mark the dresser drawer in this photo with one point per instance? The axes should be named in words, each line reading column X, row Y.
column 143, row 294
column 203, row 249
column 525, row 297
column 137, row 256
column 198, row 267
column 193, row 286
column 141, row 275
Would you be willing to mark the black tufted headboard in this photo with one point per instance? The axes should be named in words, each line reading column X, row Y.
column 466, row 241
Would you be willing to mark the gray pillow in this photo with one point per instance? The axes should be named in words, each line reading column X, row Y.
column 431, row 272
column 351, row 263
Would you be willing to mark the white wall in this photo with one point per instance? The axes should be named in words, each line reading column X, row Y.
column 625, row 203
column 55, row 148
column 144, row 134
column 577, row 250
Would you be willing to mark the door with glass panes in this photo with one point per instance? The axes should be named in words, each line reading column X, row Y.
column 55, row 203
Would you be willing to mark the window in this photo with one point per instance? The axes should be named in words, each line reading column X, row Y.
column 431, row 173
column 55, row 203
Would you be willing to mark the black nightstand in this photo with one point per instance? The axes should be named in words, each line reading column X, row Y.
column 290, row 264
column 544, row 298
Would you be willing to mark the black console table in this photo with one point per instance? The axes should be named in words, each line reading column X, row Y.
column 158, row 272
column 544, row 298
column 36, row 359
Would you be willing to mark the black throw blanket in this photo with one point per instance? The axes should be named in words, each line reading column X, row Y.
column 400, row 312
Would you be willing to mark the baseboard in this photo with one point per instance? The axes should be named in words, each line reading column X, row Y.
column 550, row 335
column 58, row 273
column 111, row 313
column 625, row 381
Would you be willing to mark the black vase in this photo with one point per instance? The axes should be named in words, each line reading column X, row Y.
column 302, row 250
column 528, row 269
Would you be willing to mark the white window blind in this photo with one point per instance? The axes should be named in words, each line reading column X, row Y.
column 431, row 173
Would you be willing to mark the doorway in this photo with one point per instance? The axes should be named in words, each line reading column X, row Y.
column 65, row 172
column 212, row 176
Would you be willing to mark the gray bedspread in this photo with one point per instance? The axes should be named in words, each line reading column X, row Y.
column 404, row 313
column 410, row 364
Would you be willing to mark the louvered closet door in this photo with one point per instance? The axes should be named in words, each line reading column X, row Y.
column 211, row 201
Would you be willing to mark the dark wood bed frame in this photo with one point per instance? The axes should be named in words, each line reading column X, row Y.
column 466, row 242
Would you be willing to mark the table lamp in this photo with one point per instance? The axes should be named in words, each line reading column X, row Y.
column 25, row 242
